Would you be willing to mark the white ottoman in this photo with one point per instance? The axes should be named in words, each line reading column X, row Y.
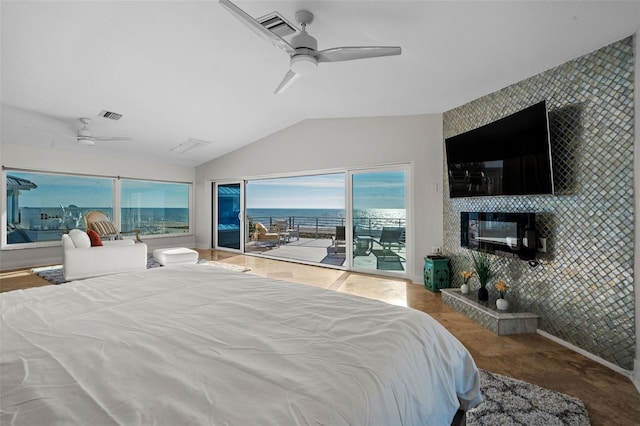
column 175, row 256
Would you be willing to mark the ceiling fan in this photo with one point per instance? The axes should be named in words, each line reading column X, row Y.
column 85, row 137
column 303, row 48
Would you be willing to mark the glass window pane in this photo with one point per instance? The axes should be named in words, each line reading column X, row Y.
column 379, row 220
column 298, row 218
column 229, row 216
column 42, row 206
column 154, row 207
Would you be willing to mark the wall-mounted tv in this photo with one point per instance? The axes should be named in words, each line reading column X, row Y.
column 510, row 156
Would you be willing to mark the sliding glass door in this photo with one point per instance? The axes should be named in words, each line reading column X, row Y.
column 300, row 218
column 228, row 205
column 351, row 220
column 379, row 215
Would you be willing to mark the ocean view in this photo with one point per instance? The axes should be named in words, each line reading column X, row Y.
column 48, row 223
column 373, row 219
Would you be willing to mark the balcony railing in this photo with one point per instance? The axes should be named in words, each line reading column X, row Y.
column 325, row 227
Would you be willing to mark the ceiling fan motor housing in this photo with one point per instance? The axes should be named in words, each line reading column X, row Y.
column 303, row 39
column 304, row 62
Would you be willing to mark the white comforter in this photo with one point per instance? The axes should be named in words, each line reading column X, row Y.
column 195, row 345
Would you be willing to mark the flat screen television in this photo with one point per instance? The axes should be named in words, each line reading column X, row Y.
column 510, row 156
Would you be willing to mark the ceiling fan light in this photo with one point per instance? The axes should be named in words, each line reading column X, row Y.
column 86, row 141
column 303, row 64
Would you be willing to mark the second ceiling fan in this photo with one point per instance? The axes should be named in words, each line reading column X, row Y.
column 303, row 48
column 85, row 135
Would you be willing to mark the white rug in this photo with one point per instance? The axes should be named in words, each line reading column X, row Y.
column 238, row 268
column 54, row 274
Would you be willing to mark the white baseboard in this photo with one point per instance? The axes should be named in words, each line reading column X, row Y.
column 589, row 355
column 29, row 263
column 635, row 377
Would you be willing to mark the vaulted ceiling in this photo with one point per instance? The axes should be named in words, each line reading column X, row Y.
column 181, row 70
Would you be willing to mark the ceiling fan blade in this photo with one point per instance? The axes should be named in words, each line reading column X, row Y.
column 257, row 27
column 112, row 138
column 289, row 78
column 52, row 132
column 338, row 54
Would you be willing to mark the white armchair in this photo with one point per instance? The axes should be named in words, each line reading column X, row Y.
column 80, row 260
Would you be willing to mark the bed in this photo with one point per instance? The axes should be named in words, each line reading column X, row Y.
column 198, row 345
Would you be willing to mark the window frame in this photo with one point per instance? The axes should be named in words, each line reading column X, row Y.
column 407, row 166
column 116, row 205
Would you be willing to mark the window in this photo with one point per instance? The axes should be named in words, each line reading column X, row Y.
column 358, row 219
column 43, row 206
column 300, row 215
column 154, row 207
column 379, row 220
column 40, row 207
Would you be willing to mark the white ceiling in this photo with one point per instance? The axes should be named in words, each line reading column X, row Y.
column 188, row 69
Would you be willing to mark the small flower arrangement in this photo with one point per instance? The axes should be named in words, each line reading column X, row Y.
column 467, row 275
column 502, row 288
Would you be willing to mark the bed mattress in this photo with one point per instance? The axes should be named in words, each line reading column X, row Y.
column 196, row 345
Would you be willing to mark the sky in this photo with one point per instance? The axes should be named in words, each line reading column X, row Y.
column 136, row 193
column 56, row 190
column 383, row 190
column 371, row 190
column 301, row 192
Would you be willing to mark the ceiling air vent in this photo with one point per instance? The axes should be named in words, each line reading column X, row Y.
column 110, row 115
column 275, row 23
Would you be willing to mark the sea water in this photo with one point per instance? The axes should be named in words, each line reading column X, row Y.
column 362, row 218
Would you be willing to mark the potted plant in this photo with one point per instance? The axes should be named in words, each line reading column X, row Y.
column 466, row 275
column 482, row 267
column 502, row 304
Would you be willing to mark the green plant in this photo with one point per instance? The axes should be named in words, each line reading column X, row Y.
column 482, row 266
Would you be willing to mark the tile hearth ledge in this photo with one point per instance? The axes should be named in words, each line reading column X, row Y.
column 501, row 323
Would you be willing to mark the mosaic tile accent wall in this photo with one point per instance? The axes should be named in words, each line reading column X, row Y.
column 584, row 288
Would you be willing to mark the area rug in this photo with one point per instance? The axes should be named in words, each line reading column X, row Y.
column 54, row 274
column 514, row 402
column 222, row 265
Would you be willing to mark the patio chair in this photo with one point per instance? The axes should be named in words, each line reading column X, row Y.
column 391, row 236
column 261, row 234
column 286, row 231
column 100, row 223
column 282, row 228
column 339, row 242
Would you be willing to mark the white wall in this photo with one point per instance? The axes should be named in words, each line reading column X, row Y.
column 334, row 144
column 49, row 160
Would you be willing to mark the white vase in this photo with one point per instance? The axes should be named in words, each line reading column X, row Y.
column 502, row 304
column 464, row 289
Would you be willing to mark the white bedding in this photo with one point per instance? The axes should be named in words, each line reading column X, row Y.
column 194, row 345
